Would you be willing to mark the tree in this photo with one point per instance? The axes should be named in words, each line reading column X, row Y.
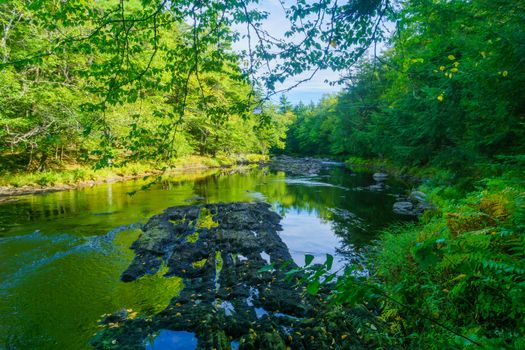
column 76, row 87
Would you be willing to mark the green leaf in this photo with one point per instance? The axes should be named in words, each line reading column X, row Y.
column 329, row 261
column 313, row 287
column 266, row 268
column 308, row 258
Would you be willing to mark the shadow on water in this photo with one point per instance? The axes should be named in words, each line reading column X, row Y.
column 62, row 258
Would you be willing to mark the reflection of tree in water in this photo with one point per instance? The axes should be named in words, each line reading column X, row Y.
column 355, row 213
column 335, row 196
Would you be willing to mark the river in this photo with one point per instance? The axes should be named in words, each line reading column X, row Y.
column 62, row 253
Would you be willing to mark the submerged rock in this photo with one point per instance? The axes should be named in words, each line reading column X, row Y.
column 219, row 251
column 378, row 187
column 380, row 184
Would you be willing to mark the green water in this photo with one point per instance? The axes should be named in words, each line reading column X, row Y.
column 61, row 254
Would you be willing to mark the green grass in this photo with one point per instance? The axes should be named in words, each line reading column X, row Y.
column 77, row 174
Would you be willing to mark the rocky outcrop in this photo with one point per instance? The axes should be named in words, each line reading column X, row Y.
column 221, row 250
column 300, row 166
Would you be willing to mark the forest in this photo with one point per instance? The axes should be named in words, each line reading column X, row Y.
column 432, row 91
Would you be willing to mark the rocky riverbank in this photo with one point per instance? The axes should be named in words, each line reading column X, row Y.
column 229, row 301
column 300, row 166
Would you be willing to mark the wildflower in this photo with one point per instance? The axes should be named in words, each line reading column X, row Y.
column 451, row 57
column 440, row 98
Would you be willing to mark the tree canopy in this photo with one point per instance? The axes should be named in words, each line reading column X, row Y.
column 428, row 84
column 448, row 91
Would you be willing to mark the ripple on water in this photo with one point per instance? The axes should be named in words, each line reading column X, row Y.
column 52, row 248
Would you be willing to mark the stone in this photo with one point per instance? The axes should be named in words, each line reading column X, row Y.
column 418, row 196
column 378, row 187
column 229, row 295
column 380, row 176
column 300, row 166
column 404, row 208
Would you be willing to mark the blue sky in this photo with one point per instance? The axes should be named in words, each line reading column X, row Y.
column 312, row 90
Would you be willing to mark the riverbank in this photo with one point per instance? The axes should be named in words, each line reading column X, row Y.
column 455, row 278
column 418, row 174
column 78, row 176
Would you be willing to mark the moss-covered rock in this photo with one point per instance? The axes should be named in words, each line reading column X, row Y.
column 226, row 296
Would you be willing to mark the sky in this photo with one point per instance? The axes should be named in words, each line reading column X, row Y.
column 276, row 24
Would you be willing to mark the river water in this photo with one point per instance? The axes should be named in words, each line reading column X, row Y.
column 62, row 253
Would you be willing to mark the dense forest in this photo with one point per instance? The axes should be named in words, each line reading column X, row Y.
column 447, row 92
column 442, row 100
column 87, row 104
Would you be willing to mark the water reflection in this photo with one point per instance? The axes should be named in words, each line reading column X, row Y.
column 173, row 340
column 59, row 269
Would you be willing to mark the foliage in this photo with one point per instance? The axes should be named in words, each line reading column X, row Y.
column 82, row 174
column 448, row 92
column 446, row 96
column 326, row 33
column 455, row 280
column 116, row 82
column 81, row 101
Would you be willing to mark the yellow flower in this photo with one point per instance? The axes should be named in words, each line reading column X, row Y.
column 451, row 57
column 456, row 64
column 505, row 73
column 442, row 68
column 440, row 98
column 454, row 70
